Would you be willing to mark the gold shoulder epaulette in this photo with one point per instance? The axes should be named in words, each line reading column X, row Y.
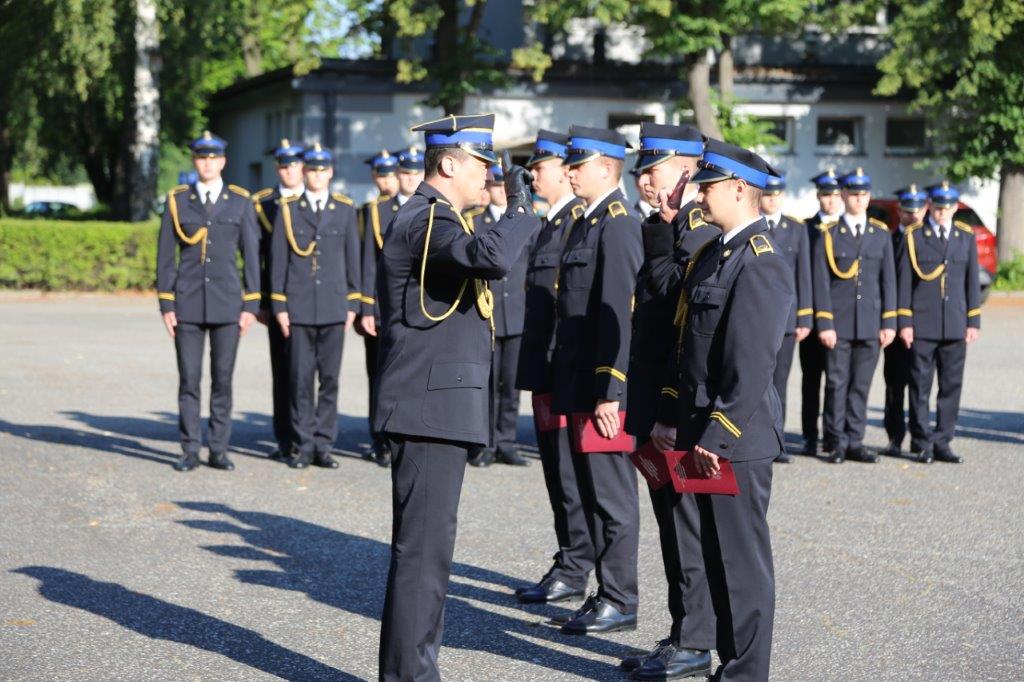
column 878, row 223
column 761, row 244
column 916, row 226
column 963, row 226
column 577, row 211
column 338, row 196
column 615, row 209
column 696, row 218
column 795, row 220
column 381, row 198
column 262, row 194
column 178, row 189
column 239, row 190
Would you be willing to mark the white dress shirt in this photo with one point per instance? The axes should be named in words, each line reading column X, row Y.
column 214, row 188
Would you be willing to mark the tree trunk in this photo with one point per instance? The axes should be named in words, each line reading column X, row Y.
column 6, row 161
column 1011, row 212
column 446, row 44
column 699, row 79
column 726, row 70
column 144, row 148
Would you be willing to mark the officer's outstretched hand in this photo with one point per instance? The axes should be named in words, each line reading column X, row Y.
column 282, row 320
column 885, row 337
column 517, row 186
column 245, row 320
column 170, row 321
column 606, row 415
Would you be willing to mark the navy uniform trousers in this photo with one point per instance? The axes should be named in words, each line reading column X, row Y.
column 783, row 364
column 314, row 352
column 280, row 386
column 896, row 370
column 949, row 357
column 505, row 404
column 189, row 341
column 574, row 560
column 849, row 369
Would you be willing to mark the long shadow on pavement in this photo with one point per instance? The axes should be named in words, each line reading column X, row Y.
column 349, row 572
column 985, row 425
column 159, row 619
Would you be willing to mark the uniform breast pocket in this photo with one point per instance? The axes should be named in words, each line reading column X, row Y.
column 578, row 268
column 543, row 261
column 455, row 399
column 706, row 304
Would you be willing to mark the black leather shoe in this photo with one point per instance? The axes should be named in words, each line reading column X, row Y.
column 481, row 457
column 861, row 455
column 810, row 448
column 324, row 460
column 220, row 461
column 631, row 663
column 948, row 457
column 602, row 618
column 673, row 663
column 589, row 604
column 547, row 591
column 298, row 461
column 837, row 456
column 280, row 454
column 784, row 458
column 512, row 458
column 186, row 463
column 893, row 449
column 827, row 446
column 923, row 456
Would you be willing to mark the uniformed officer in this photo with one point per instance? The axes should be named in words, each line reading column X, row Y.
column 939, row 314
column 205, row 226
column 288, row 157
column 375, row 215
column 574, row 559
column 433, row 400
column 642, row 206
column 812, row 353
column 668, row 155
column 912, row 208
column 855, row 311
column 410, row 171
column 509, row 308
column 736, row 307
column 790, row 238
column 596, row 281
column 314, row 274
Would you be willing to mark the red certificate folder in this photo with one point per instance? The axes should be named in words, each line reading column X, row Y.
column 544, row 419
column 679, row 469
column 586, row 438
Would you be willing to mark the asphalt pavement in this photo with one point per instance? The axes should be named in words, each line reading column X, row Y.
column 115, row 567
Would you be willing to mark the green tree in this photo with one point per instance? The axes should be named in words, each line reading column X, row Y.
column 962, row 63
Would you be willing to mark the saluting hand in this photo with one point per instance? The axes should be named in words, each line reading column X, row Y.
column 670, row 202
column 607, row 417
column 170, row 321
column 518, row 181
column 244, row 321
column 282, row 320
column 706, row 461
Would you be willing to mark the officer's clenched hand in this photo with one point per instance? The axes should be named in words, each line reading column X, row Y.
column 607, row 417
column 972, row 334
column 802, row 333
column 885, row 337
column 350, row 317
column 906, row 336
column 368, row 325
column 706, row 461
column 282, row 320
column 670, row 202
column 170, row 321
column 663, row 437
column 244, row 321
column 517, row 186
column 828, row 338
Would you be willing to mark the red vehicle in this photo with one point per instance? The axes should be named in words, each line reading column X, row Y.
column 887, row 211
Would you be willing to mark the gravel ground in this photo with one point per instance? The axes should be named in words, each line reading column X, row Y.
column 114, row 567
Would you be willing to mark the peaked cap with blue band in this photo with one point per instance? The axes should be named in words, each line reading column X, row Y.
column 857, row 181
column 776, row 184
column 472, row 134
column 589, row 143
column 410, row 160
column 549, row 145
column 383, row 163
column 316, row 157
column 827, row 182
column 724, row 161
column 943, row 194
column 288, row 153
column 911, row 198
column 208, row 144
column 659, row 142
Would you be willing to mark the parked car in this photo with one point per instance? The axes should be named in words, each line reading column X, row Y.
column 887, row 211
column 49, row 209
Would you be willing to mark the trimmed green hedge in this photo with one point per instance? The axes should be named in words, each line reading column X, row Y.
column 1010, row 276
column 63, row 255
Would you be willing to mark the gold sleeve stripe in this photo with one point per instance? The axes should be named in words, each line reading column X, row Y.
column 165, row 296
column 670, row 392
column 367, row 300
column 278, row 297
column 727, row 423
column 354, row 296
column 824, row 314
column 888, row 314
column 805, row 311
column 611, row 370
column 252, row 297
column 974, row 312
column 905, row 312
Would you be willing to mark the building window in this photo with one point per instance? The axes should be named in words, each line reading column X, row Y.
column 839, row 136
column 905, row 137
column 782, row 128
